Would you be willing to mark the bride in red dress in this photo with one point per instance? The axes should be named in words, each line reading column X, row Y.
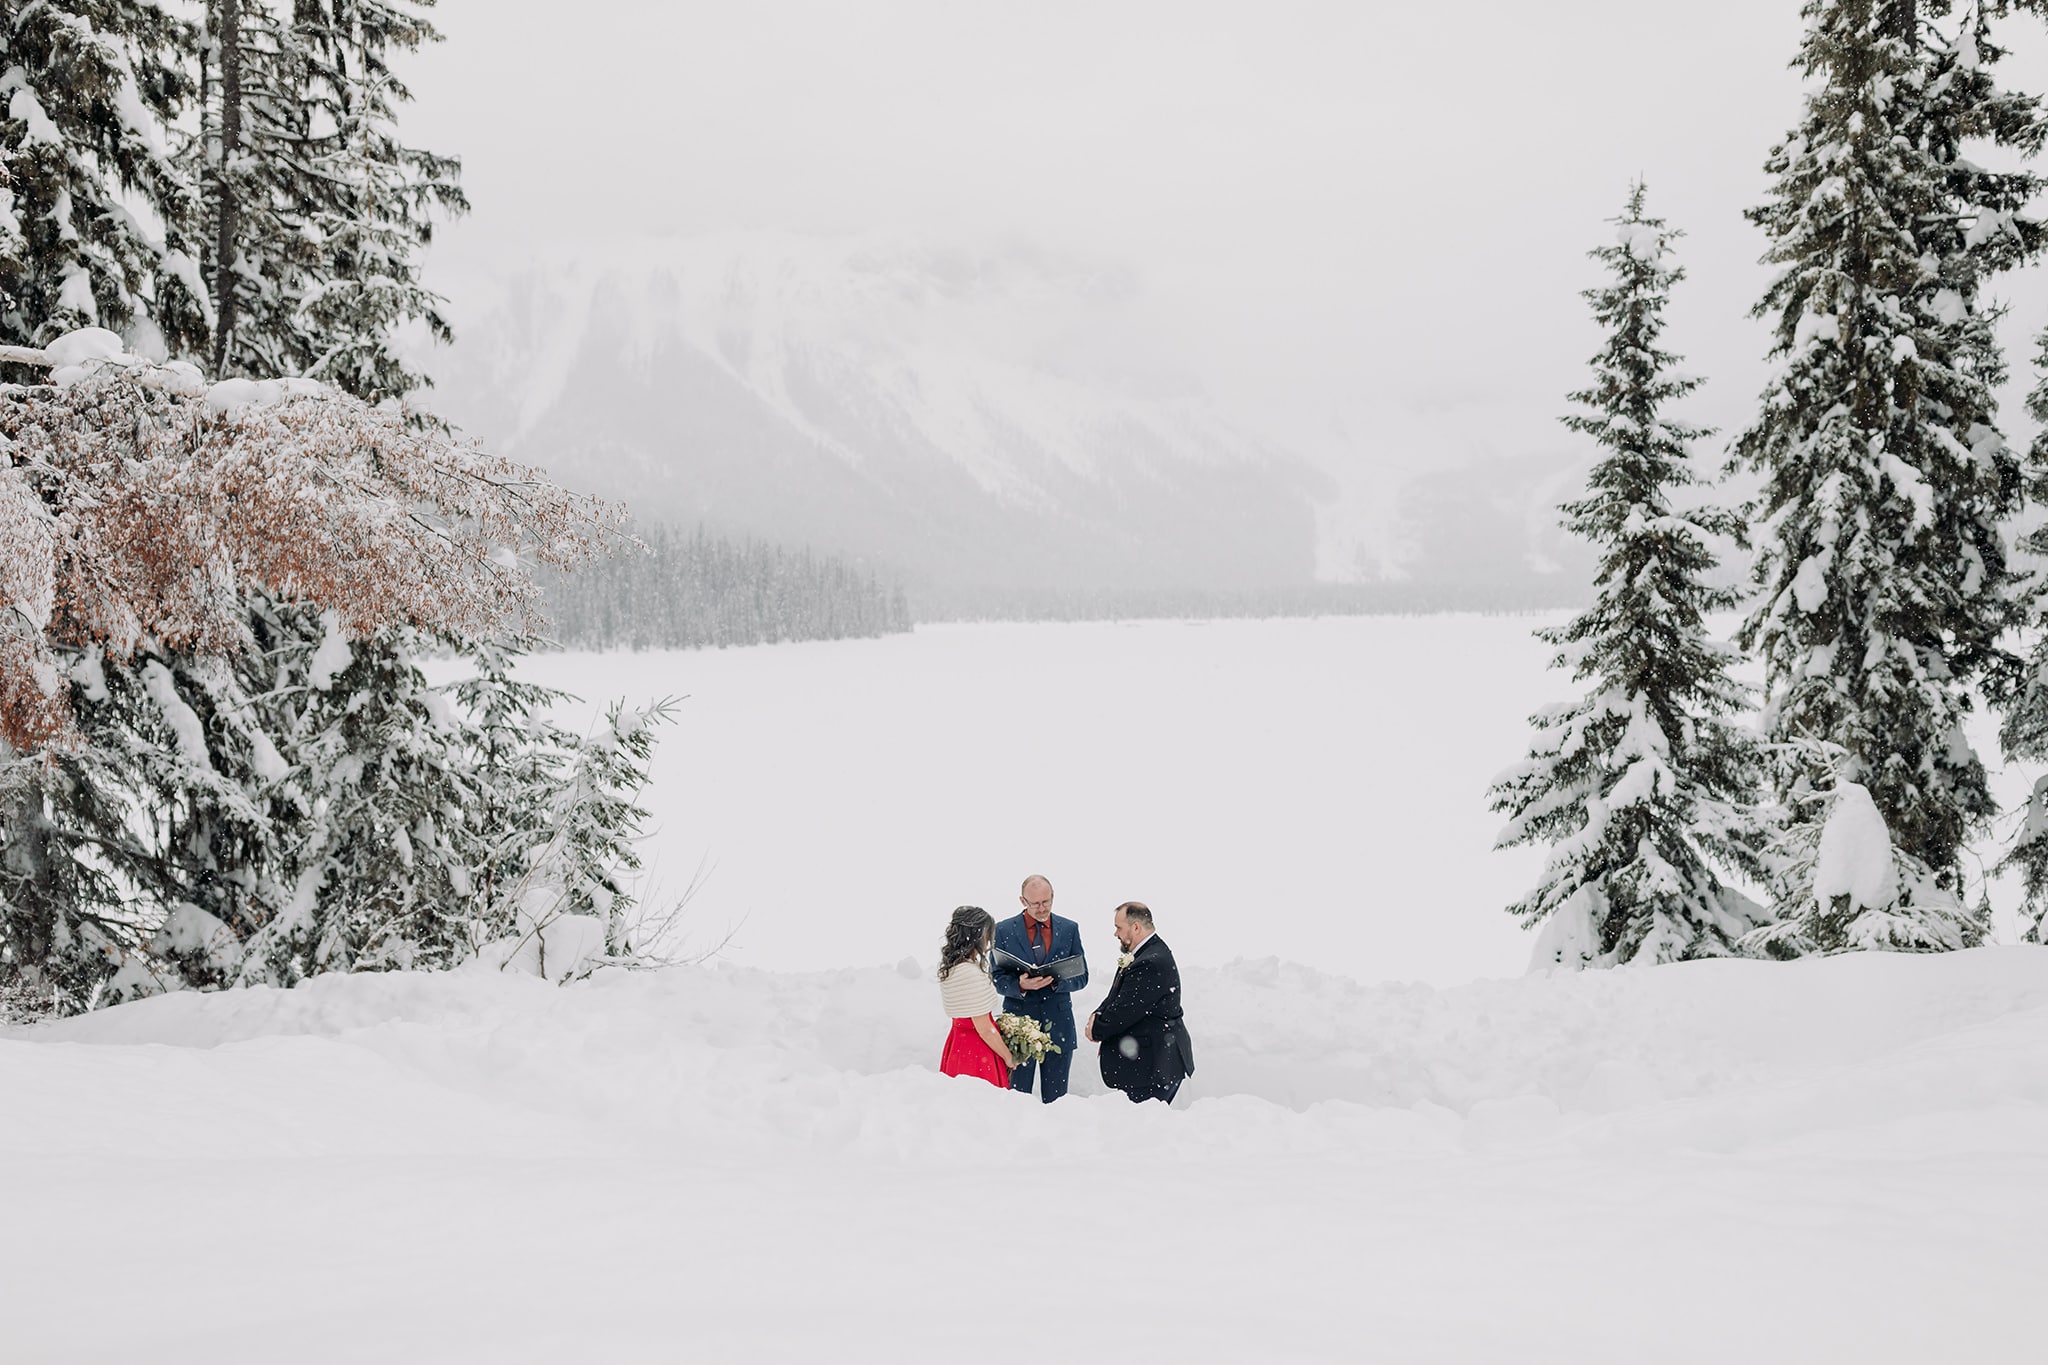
column 975, row 1046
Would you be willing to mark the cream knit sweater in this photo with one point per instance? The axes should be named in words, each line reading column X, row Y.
column 968, row 992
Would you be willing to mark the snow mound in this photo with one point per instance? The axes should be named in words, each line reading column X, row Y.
column 1855, row 858
column 79, row 353
column 87, row 343
column 226, row 395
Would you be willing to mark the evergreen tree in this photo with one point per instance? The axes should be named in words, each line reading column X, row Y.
column 316, row 212
column 309, row 805
column 373, row 821
column 2024, row 731
column 66, row 924
column 1885, row 482
column 2024, row 706
column 1641, row 786
column 89, row 90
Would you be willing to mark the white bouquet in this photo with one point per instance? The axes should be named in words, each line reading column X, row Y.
column 1025, row 1037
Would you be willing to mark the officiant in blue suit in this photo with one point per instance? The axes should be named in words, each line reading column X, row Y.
column 1039, row 936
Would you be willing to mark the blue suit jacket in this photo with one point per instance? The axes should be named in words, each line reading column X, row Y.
column 1066, row 942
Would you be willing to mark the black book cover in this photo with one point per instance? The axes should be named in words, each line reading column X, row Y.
column 1059, row 969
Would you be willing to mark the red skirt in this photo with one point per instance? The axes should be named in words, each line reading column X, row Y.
column 967, row 1055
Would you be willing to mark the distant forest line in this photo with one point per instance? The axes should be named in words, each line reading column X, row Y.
column 1306, row 599
column 688, row 589
column 692, row 587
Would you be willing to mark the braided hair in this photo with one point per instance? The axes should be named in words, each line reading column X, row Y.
column 966, row 932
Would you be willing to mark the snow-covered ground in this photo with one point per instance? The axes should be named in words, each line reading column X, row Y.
column 1843, row 1159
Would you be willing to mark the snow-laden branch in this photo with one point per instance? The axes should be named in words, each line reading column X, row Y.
column 137, row 500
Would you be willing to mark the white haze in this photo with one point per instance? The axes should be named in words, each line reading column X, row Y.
column 1361, row 227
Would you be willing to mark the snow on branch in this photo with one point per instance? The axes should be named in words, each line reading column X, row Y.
column 136, row 500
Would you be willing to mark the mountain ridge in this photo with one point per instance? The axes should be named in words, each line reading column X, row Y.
column 974, row 423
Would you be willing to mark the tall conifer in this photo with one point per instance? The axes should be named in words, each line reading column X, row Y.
column 1641, row 786
column 317, row 212
column 1882, row 569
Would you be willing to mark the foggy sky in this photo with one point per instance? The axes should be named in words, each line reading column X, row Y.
column 1361, row 225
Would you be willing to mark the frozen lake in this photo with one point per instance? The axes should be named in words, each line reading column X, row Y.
column 1313, row 789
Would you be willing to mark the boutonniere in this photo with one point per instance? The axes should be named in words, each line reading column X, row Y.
column 1123, row 960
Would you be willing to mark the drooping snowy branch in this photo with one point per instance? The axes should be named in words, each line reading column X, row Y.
column 136, row 500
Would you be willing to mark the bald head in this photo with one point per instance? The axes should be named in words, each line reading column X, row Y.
column 1036, row 894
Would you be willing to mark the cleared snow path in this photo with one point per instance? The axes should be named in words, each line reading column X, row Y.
column 1827, row 1160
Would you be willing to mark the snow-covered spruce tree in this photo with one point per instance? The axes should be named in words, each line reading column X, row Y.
column 2024, row 706
column 2024, row 730
column 425, row 823
column 66, row 921
column 311, row 805
column 371, row 840
column 1642, row 786
column 1884, row 585
column 88, row 89
column 316, row 213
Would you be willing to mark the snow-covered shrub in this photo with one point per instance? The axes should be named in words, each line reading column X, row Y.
column 1840, row 883
column 563, row 815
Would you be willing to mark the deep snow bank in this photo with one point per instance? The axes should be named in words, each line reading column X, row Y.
column 1713, row 1054
column 1824, row 1160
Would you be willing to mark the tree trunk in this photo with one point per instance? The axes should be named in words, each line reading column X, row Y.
column 225, row 215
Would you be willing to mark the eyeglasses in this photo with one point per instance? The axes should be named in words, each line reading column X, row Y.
column 1045, row 904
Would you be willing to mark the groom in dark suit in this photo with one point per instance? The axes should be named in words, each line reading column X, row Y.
column 1038, row 935
column 1145, row 1048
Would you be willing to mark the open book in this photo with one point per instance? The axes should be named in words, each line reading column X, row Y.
column 1060, row 968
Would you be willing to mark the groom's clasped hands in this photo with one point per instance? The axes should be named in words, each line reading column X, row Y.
column 1029, row 966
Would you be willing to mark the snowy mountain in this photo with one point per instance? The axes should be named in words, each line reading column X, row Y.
column 968, row 420
column 1006, row 420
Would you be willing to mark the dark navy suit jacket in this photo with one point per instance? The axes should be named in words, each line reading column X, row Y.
column 1145, row 1048
column 1054, row 1001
